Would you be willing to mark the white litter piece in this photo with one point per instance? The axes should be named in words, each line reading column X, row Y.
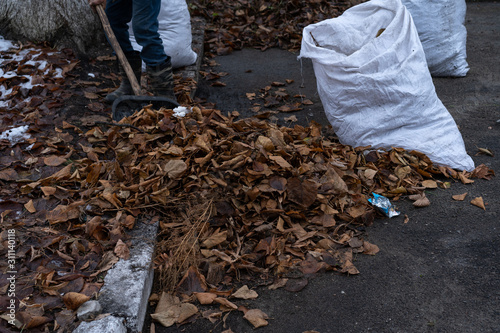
column 181, row 111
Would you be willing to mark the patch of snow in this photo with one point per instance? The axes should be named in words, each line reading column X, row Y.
column 16, row 134
column 58, row 73
column 9, row 75
column 5, row 45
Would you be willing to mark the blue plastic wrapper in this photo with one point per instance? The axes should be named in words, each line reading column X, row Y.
column 383, row 204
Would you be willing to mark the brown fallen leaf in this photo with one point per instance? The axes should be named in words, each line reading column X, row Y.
column 30, row 207
column 280, row 161
column 482, row 171
column 370, row 248
column 30, row 321
column 187, row 310
column 459, row 197
column 121, row 250
column 192, row 281
column 280, row 283
column 296, row 285
column 48, row 190
column 301, row 192
column 175, row 168
column 205, row 298
column 256, row 317
column 54, row 160
column 90, row 95
column 245, row 293
column 8, row 175
column 218, row 84
column 429, row 183
column 485, row 151
column 225, row 304
column 265, row 143
column 422, row 201
column 478, row 202
column 107, row 262
column 464, row 179
column 170, row 310
column 215, row 239
column 73, row 300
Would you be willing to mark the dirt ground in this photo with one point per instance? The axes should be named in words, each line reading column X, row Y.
column 436, row 273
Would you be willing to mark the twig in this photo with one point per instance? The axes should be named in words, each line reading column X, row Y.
column 314, row 39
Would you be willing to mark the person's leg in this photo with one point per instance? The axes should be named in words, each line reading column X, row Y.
column 158, row 63
column 119, row 14
column 145, row 26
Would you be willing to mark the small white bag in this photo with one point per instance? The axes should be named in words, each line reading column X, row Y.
column 175, row 31
column 440, row 26
column 375, row 86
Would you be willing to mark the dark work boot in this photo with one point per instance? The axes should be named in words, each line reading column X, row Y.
column 125, row 88
column 161, row 79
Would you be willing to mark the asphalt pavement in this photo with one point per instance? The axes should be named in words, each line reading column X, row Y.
column 439, row 271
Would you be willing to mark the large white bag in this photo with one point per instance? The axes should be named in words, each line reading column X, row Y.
column 378, row 90
column 440, row 25
column 175, row 31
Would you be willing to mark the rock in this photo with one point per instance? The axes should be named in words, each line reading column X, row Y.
column 127, row 285
column 88, row 310
column 109, row 324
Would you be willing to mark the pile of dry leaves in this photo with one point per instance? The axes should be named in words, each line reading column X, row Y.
column 263, row 24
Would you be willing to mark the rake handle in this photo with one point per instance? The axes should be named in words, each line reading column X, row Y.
column 118, row 50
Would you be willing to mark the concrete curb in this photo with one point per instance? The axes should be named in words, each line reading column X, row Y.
column 127, row 286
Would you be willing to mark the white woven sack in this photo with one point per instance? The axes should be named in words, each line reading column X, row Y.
column 378, row 90
column 175, row 31
column 440, row 26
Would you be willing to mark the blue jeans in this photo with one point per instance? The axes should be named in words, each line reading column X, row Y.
column 144, row 17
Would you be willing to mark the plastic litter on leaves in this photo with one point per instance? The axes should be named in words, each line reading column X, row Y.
column 383, row 204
